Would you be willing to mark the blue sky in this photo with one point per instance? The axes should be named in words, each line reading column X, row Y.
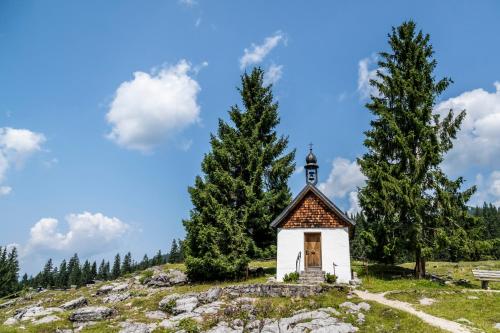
column 106, row 107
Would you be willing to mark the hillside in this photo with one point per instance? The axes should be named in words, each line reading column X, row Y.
column 160, row 300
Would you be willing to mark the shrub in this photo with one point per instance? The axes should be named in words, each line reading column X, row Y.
column 145, row 275
column 330, row 278
column 291, row 277
column 188, row 325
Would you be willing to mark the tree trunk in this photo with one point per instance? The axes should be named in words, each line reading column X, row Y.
column 419, row 265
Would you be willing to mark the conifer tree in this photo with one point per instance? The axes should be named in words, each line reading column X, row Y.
column 63, row 278
column 173, row 255
column 47, row 276
column 74, row 271
column 86, row 273
column 409, row 203
column 116, row 271
column 127, row 264
column 243, row 187
column 9, row 271
column 93, row 271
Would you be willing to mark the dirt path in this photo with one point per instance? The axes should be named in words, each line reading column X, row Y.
column 442, row 323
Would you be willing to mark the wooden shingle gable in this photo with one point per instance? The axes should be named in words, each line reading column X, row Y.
column 312, row 209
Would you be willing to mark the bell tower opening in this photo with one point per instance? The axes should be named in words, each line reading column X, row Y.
column 311, row 167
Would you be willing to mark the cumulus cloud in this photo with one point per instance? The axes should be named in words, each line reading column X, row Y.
column 87, row 234
column 151, row 107
column 365, row 74
column 16, row 146
column 273, row 74
column 257, row 53
column 344, row 179
column 478, row 141
column 488, row 189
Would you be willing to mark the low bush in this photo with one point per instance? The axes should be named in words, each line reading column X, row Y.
column 291, row 277
column 330, row 278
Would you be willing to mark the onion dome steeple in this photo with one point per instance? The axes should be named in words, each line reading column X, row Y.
column 311, row 167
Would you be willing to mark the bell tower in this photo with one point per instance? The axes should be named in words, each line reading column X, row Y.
column 311, row 167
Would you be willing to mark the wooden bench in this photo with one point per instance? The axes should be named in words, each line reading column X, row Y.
column 486, row 276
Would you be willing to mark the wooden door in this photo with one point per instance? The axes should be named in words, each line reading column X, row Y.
column 312, row 249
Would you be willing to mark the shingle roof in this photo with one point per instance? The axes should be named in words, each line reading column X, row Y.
column 310, row 188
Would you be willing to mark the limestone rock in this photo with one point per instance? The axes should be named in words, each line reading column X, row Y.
column 223, row 327
column 116, row 297
column 91, row 313
column 46, row 320
column 209, row 309
column 76, row 303
column 104, row 289
column 426, row 301
column 168, row 302
column 166, row 279
column 8, row 303
column 131, row 327
column 172, row 322
column 355, row 308
column 185, row 304
column 120, row 287
column 155, row 315
column 33, row 312
column 10, row 321
column 211, row 295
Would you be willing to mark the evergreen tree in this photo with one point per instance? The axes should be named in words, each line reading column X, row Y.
column 173, row 256
column 144, row 263
column 409, row 203
column 74, row 271
column 86, row 273
column 127, row 264
column 93, row 271
column 25, row 281
column 9, row 271
column 181, row 250
column 63, row 278
column 243, row 188
column 116, row 272
column 47, row 276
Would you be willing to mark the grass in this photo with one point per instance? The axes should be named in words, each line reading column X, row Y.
column 452, row 302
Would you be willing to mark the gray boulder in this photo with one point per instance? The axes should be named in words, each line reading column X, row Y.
column 91, row 313
column 104, row 289
column 76, row 303
column 185, row 304
column 168, row 302
column 131, row 327
column 166, row 279
column 116, row 297
column 8, row 303
column 211, row 295
column 46, row 320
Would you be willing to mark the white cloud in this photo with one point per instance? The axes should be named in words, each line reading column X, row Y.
column 478, row 141
column 273, row 74
column 344, row 179
column 87, row 234
column 151, row 107
column 16, row 146
column 5, row 190
column 365, row 74
column 257, row 53
column 488, row 190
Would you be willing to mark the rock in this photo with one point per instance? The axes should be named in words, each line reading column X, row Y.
column 274, row 290
column 497, row 326
column 104, row 289
column 76, row 303
column 287, row 324
column 168, row 302
column 472, row 297
column 223, row 327
column 10, row 321
column 211, row 295
column 115, row 298
column 210, row 308
column 91, row 313
column 120, row 287
column 131, row 327
column 271, row 279
column 361, row 318
column 355, row 308
column 166, row 279
column 172, row 322
column 155, row 315
column 185, row 304
column 464, row 321
column 64, row 330
column 8, row 303
column 426, row 301
column 355, row 282
column 270, row 326
column 330, row 310
column 33, row 312
column 46, row 320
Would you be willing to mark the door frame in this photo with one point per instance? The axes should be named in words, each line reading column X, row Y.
column 320, row 249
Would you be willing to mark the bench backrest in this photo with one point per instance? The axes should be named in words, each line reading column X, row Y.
column 486, row 275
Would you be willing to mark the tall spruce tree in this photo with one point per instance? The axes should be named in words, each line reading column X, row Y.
column 243, row 187
column 63, row 278
column 409, row 203
column 74, row 271
column 116, row 271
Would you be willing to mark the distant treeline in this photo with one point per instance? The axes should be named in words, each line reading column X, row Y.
column 482, row 243
column 72, row 273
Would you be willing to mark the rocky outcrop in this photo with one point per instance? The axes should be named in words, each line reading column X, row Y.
column 91, row 313
column 131, row 327
column 210, row 295
column 8, row 303
column 116, row 297
column 74, row 304
column 172, row 277
column 177, row 304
